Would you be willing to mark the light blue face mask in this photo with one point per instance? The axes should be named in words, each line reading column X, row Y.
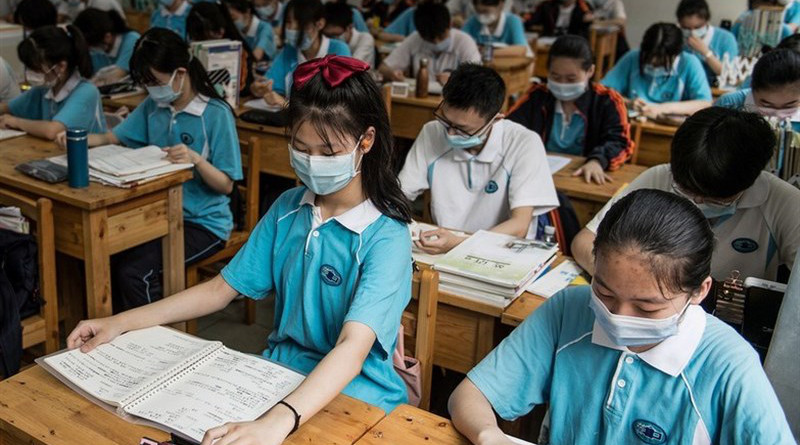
column 464, row 142
column 164, row 94
column 625, row 330
column 240, row 25
column 653, row 71
column 566, row 92
column 324, row 175
column 442, row 46
column 711, row 211
column 265, row 12
column 291, row 39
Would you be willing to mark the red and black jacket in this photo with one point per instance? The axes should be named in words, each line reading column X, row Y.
column 607, row 135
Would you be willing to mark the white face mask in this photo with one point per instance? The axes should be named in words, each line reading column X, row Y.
column 626, row 330
column 487, row 19
column 37, row 79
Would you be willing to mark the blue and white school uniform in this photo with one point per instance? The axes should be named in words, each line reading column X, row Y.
column 720, row 42
column 352, row 267
column 703, row 385
column 120, row 54
column 205, row 126
column 276, row 19
column 77, row 105
column 259, row 35
column 358, row 20
column 686, row 81
column 567, row 133
column 792, row 14
column 282, row 68
column 509, row 30
column 743, row 100
column 175, row 21
column 403, row 24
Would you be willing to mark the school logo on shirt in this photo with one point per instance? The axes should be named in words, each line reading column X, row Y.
column 491, row 187
column 329, row 275
column 187, row 138
column 744, row 245
column 648, row 432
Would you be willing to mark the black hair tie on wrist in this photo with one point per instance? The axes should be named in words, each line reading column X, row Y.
column 296, row 416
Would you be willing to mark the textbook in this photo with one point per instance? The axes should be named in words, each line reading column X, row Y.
column 174, row 381
column 556, row 279
column 8, row 134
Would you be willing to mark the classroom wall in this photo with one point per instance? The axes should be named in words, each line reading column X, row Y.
column 643, row 13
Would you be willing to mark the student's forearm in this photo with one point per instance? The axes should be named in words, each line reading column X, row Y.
column 387, row 37
column 42, row 129
column 473, row 416
column 582, row 246
column 203, row 299
column 387, row 72
column 110, row 76
column 518, row 224
column 687, row 107
column 102, row 139
column 214, row 177
column 510, row 51
column 715, row 64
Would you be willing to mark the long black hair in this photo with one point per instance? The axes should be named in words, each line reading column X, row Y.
column 305, row 12
column 95, row 24
column 661, row 44
column 34, row 14
column 164, row 51
column 205, row 17
column 572, row 47
column 348, row 110
column 669, row 229
column 50, row 45
column 775, row 69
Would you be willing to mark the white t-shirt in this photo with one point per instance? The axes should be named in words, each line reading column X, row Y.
column 9, row 87
column 564, row 16
column 406, row 57
column 763, row 233
column 362, row 47
column 472, row 193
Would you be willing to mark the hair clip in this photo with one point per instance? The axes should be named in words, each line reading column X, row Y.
column 335, row 70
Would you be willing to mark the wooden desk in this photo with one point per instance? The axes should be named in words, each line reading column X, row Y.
column 411, row 426
column 653, row 142
column 515, row 71
column 528, row 302
column 588, row 199
column 128, row 101
column 409, row 114
column 36, row 408
column 274, row 147
column 98, row 221
column 542, row 53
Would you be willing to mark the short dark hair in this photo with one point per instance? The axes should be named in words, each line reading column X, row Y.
column 33, row 14
column 776, row 69
column 662, row 42
column 572, row 47
column 241, row 6
column 432, row 20
column 305, row 12
column 719, row 152
column 486, row 2
column 792, row 42
column 688, row 8
column 669, row 229
column 95, row 24
column 338, row 14
column 477, row 87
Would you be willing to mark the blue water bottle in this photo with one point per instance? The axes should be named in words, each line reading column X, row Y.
column 78, row 157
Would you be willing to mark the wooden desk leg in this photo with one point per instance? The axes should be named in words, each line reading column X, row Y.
column 97, row 263
column 172, row 247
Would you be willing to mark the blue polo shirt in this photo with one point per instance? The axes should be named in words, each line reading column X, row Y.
column 353, row 267
column 686, row 81
column 161, row 18
column 743, row 100
column 509, row 31
column 77, row 105
column 119, row 56
column 722, row 42
column 289, row 57
column 205, row 126
column 403, row 24
column 792, row 14
column 566, row 137
column 703, row 385
column 261, row 36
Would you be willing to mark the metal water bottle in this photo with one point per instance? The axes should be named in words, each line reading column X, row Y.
column 78, row 157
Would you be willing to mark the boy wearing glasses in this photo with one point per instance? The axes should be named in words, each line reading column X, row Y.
column 484, row 172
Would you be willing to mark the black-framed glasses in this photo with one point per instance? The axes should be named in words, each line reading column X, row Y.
column 437, row 114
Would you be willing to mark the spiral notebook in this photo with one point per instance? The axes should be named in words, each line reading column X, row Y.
column 174, row 381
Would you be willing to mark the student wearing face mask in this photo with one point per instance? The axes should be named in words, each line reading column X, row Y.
column 335, row 254
column 445, row 48
column 717, row 161
column 632, row 358
column 56, row 67
column 661, row 78
column 484, row 172
column 303, row 40
column 559, row 17
column 270, row 11
column 339, row 26
column 491, row 25
column 110, row 41
column 171, row 14
column 710, row 43
column 574, row 115
column 185, row 116
column 774, row 91
column 257, row 33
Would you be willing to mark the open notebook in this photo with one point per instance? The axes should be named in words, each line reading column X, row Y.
column 8, row 134
column 173, row 381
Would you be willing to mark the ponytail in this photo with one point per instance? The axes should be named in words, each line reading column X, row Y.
column 83, row 63
column 50, row 45
column 95, row 24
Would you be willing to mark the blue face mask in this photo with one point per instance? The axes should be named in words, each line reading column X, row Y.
column 164, row 94
column 464, row 142
column 291, row 39
column 324, row 175
column 566, row 92
column 442, row 46
column 711, row 211
column 653, row 71
column 265, row 12
column 625, row 330
column 240, row 25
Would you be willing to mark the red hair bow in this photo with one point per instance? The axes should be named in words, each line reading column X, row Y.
column 335, row 70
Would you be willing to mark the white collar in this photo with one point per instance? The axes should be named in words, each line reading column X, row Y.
column 356, row 219
column 253, row 29
column 178, row 12
column 673, row 354
column 115, row 48
column 65, row 90
column 490, row 149
column 567, row 9
column 324, row 46
column 498, row 30
column 196, row 107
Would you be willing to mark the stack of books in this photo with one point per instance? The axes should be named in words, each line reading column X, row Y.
column 493, row 268
column 126, row 167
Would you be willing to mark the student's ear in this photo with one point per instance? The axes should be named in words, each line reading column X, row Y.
column 702, row 292
column 368, row 140
column 590, row 72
